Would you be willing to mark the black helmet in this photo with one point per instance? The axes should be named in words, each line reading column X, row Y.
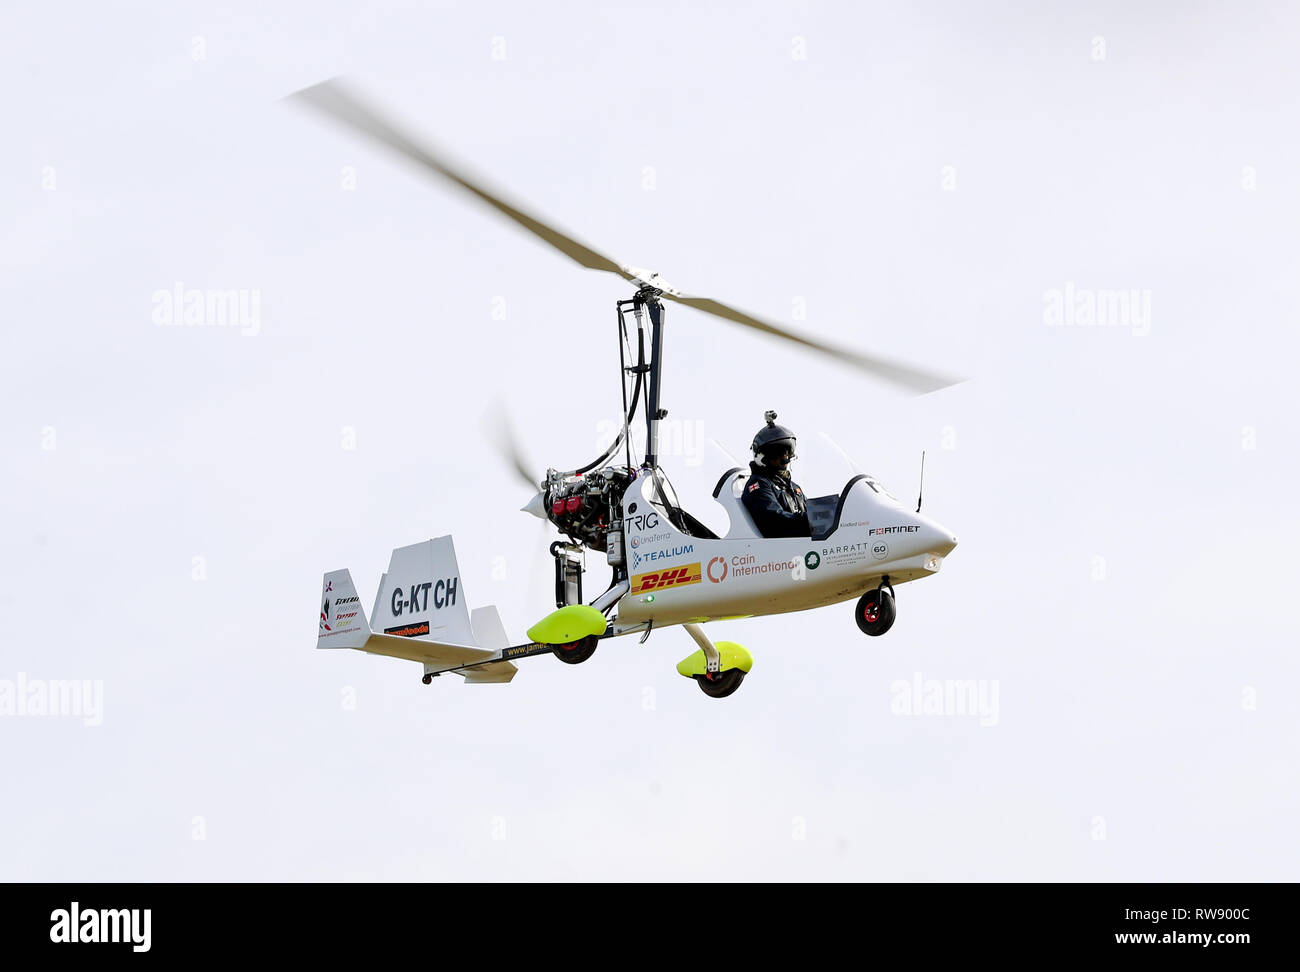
column 773, row 437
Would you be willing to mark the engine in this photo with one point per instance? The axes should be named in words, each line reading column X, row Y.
column 585, row 506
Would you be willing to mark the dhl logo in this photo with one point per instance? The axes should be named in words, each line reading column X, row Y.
column 657, row 580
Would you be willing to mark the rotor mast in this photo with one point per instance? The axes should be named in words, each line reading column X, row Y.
column 644, row 304
column 653, row 413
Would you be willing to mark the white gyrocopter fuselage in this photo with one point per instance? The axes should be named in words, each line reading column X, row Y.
column 668, row 568
column 859, row 538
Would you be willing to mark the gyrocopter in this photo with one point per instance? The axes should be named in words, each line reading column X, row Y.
column 667, row 567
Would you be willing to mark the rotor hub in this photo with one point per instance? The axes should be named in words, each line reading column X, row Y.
column 648, row 280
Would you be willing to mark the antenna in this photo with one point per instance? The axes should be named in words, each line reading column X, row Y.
column 920, row 489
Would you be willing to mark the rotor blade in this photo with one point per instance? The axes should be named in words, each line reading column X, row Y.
column 332, row 98
column 913, row 379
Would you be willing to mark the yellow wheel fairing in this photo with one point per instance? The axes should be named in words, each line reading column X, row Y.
column 732, row 655
column 568, row 624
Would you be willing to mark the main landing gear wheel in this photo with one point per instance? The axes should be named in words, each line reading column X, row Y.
column 427, row 679
column 577, row 652
column 722, row 684
column 876, row 612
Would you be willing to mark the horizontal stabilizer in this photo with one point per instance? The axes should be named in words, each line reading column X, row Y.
column 439, row 657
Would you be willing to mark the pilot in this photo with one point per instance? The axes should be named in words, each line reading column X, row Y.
column 774, row 500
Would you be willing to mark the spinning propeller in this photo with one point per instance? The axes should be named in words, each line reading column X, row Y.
column 502, row 435
column 333, row 99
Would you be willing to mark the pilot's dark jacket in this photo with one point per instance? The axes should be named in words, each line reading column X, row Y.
column 775, row 503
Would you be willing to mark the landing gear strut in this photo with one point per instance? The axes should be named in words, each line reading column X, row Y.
column 568, row 573
column 876, row 612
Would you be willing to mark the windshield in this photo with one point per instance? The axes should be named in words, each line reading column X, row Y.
column 878, row 487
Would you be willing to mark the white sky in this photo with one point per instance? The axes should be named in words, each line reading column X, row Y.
column 1159, row 699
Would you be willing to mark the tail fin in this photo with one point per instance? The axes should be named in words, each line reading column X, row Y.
column 422, row 596
column 489, row 633
column 342, row 618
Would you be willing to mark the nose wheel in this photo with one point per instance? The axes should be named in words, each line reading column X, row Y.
column 875, row 611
